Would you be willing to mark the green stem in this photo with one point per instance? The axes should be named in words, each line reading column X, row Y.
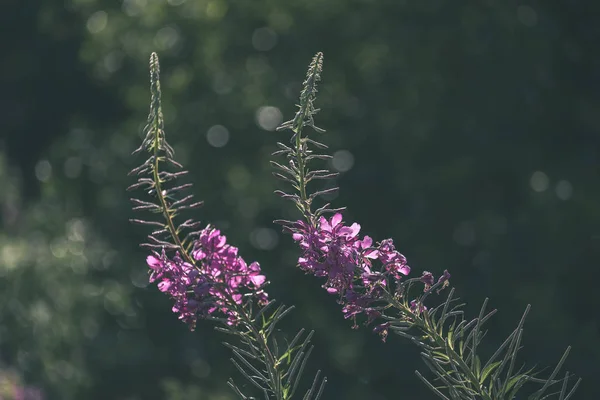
column 439, row 341
column 257, row 334
column 301, row 178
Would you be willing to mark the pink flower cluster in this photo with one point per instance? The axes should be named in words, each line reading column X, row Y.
column 335, row 251
column 219, row 282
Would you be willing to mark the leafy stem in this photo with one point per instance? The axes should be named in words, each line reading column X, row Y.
column 334, row 251
column 301, row 172
column 451, row 353
column 159, row 142
column 445, row 350
column 300, row 154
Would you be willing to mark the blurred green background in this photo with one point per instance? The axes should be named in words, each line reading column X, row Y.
column 467, row 131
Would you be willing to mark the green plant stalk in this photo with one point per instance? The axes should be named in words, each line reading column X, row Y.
column 258, row 335
column 298, row 123
column 422, row 324
column 302, row 174
column 428, row 331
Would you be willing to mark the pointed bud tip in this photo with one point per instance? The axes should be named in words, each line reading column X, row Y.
column 154, row 64
column 317, row 64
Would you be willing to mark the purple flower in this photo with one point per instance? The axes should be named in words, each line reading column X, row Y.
column 335, row 251
column 444, row 280
column 382, row 330
column 355, row 269
column 417, row 307
column 219, row 282
column 445, row 276
column 427, row 279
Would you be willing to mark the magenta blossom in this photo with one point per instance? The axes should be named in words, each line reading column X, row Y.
column 335, row 251
column 220, row 280
column 355, row 269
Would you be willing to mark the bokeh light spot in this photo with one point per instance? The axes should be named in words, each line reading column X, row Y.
column 113, row 61
column 216, row 9
column 222, row 83
column 10, row 257
column 527, row 16
column 269, row 117
column 97, row 22
column 564, row 190
column 109, row 259
column 342, row 161
column 76, row 230
column 539, row 181
column 139, row 278
column 73, row 167
column 133, row 8
column 58, row 247
column 280, row 20
column 264, row 238
column 264, row 39
column 217, row 136
column 43, row 171
column 40, row 313
column 166, row 38
column 114, row 302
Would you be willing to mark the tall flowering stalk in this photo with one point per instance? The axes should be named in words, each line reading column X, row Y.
column 206, row 278
column 369, row 280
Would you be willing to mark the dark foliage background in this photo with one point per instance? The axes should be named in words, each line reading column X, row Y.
column 467, row 131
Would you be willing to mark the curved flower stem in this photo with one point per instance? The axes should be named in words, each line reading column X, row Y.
column 257, row 334
column 159, row 145
column 246, row 318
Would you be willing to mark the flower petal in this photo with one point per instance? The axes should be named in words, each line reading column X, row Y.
column 336, row 219
column 154, row 263
column 258, row 280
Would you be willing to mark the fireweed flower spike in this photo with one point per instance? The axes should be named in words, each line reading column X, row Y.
column 206, row 277
column 370, row 280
